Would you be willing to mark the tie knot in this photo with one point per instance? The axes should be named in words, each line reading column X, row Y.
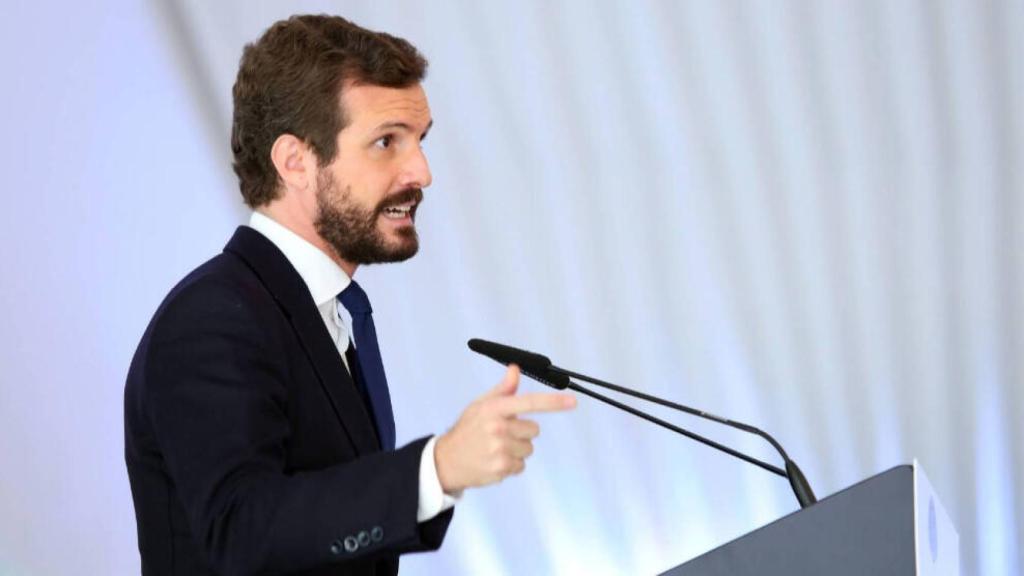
column 354, row 299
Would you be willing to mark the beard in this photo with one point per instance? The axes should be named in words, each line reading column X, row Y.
column 351, row 230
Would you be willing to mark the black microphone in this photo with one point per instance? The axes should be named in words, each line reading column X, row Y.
column 540, row 368
column 534, row 365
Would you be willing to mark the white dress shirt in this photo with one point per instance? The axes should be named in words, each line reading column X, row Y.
column 325, row 280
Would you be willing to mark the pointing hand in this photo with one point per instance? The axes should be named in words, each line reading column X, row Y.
column 490, row 442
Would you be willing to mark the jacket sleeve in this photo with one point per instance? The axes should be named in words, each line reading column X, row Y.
column 216, row 397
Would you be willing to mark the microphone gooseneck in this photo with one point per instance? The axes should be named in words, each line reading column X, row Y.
column 797, row 480
column 540, row 368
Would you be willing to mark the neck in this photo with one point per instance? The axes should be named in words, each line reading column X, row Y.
column 305, row 229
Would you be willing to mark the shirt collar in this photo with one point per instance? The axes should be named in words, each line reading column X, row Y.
column 324, row 278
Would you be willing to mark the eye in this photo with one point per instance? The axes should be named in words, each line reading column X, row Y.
column 384, row 142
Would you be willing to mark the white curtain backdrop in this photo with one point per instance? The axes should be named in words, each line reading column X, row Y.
column 803, row 215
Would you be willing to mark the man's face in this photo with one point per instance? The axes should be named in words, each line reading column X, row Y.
column 367, row 197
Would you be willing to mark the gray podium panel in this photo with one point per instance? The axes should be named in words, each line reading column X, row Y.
column 871, row 527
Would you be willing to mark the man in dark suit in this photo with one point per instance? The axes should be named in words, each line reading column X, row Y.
column 259, row 436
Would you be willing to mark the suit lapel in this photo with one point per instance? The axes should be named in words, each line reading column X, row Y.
column 292, row 295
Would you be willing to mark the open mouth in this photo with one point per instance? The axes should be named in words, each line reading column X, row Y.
column 400, row 211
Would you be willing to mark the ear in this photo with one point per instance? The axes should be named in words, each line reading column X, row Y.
column 294, row 161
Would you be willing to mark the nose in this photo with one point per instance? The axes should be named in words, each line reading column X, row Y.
column 416, row 170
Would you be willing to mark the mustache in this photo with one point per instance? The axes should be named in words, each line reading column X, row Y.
column 403, row 197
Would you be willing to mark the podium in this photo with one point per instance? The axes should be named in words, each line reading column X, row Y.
column 890, row 524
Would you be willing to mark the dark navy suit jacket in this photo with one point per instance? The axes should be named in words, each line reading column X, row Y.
column 249, row 448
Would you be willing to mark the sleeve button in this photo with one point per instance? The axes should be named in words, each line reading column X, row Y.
column 351, row 544
column 377, row 534
column 364, row 538
column 336, row 547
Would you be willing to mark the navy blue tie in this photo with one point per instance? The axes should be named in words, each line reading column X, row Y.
column 371, row 368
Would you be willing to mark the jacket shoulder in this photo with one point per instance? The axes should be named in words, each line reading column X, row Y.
column 222, row 287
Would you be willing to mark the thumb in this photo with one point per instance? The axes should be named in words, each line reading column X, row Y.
column 508, row 384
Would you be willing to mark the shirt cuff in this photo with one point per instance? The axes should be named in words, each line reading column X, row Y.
column 432, row 499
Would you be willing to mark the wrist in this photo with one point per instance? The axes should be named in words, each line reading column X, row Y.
column 442, row 464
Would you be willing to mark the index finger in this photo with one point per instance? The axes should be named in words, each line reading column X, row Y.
column 535, row 402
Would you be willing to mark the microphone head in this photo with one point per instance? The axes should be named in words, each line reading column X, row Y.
column 536, row 366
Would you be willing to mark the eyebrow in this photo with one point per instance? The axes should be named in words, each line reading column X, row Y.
column 403, row 126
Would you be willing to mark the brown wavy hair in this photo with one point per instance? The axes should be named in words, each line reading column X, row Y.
column 290, row 81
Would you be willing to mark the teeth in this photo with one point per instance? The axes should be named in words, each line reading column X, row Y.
column 398, row 211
